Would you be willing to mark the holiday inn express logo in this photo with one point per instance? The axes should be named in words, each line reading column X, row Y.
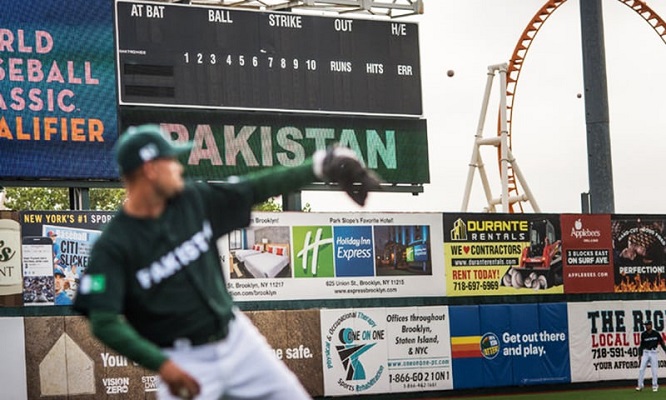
column 313, row 251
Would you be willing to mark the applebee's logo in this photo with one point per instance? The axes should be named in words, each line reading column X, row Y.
column 578, row 231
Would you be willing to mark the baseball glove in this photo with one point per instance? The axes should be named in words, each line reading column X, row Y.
column 341, row 165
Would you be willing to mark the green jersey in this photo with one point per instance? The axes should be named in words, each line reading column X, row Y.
column 164, row 274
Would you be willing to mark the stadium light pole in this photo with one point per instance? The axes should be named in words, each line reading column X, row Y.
column 599, row 162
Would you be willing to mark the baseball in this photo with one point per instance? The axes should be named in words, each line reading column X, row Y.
column 183, row 393
column 579, row 95
column 450, row 73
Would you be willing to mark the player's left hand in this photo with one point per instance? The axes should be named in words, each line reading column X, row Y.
column 341, row 165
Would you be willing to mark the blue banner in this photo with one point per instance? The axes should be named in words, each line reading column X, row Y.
column 509, row 345
column 58, row 102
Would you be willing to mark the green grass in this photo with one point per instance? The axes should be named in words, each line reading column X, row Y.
column 624, row 393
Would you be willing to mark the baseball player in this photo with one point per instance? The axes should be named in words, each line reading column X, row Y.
column 647, row 353
column 154, row 290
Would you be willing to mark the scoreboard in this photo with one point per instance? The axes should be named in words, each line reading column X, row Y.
column 175, row 55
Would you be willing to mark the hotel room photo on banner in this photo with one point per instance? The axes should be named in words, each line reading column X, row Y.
column 493, row 254
column 639, row 253
column 260, row 253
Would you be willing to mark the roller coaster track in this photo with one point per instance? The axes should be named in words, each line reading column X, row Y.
column 518, row 60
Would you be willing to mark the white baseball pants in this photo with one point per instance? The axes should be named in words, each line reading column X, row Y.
column 651, row 357
column 241, row 366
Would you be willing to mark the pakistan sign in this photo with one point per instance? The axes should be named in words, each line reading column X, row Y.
column 227, row 144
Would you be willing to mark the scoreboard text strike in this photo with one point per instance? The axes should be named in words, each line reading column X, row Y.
column 192, row 56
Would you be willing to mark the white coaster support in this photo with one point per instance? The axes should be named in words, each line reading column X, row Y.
column 507, row 160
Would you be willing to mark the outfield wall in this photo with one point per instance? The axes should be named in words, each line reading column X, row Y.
column 384, row 309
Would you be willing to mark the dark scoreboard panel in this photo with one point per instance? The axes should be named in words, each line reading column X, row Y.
column 193, row 56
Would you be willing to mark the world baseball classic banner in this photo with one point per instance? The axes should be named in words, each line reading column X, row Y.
column 587, row 253
column 284, row 256
column 385, row 350
column 500, row 254
column 640, row 252
column 605, row 335
column 509, row 345
column 58, row 115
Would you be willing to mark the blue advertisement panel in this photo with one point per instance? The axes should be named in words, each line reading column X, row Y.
column 58, row 114
column 509, row 345
column 469, row 347
column 353, row 251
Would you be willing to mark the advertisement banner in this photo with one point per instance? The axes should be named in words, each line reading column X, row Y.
column 509, row 345
column 94, row 371
column 640, row 253
column 56, row 249
column 228, row 144
column 10, row 257
column 57, row 90
column 385, row 350
column 62, row 359
column 12, row 371
column 286, row 256
column 500, row 254
column 588, row 253
column 605, row 336
column 295, row 336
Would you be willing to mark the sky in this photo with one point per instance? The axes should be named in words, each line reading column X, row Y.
column 549, row 133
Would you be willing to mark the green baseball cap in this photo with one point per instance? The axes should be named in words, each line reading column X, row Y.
column 143, row 143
